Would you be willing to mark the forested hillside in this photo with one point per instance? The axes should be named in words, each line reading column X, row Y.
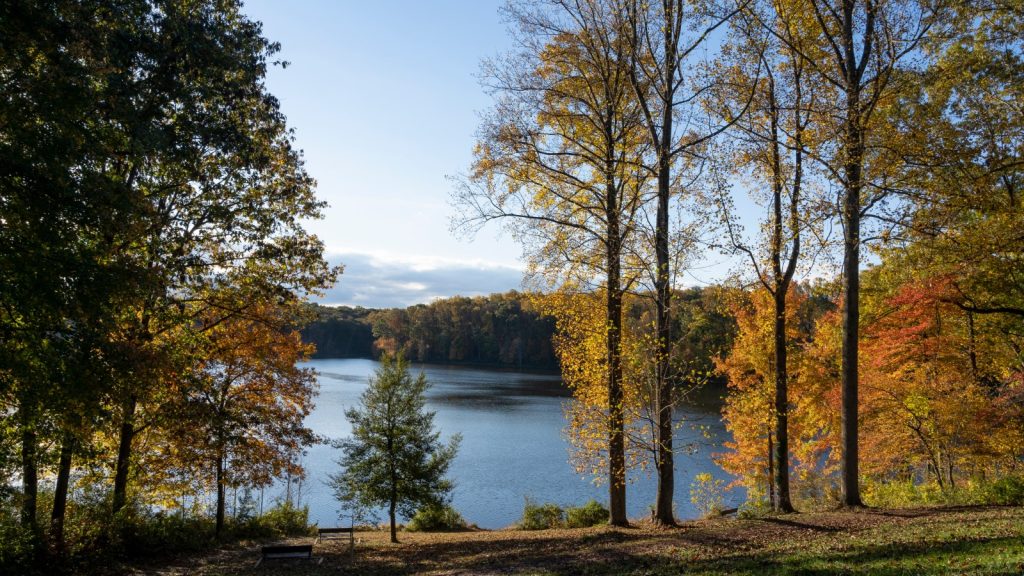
column 508, row 330
column 340, row 332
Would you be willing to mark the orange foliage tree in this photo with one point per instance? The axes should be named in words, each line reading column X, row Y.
column 749, row 409
column 237, row 418
column 937, row 406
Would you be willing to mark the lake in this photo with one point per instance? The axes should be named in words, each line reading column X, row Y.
column 513, row 444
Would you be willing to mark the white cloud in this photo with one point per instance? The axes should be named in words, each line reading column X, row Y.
column 382, row 280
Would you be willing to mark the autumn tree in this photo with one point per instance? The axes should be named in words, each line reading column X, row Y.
column 559, row 161
column 580, row 342
column 861, row 49
column 242, row 405
column 394, row 457
column 767, row 150
column 962, row 129
column 664, row 40
column 223, row 202
column 749, row 410
column 146, row 168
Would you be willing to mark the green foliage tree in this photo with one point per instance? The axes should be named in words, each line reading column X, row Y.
column 394, row 457
column 147, row 183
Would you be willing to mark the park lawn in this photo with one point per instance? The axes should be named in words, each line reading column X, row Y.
column 951, row 540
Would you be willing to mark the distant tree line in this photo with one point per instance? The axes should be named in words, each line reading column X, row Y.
column 340, row 332
column 507, row 330
column 500, row 329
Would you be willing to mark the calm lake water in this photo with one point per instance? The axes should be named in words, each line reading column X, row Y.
column 513, row 444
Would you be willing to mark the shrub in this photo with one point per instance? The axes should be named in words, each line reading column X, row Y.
column 757, row 504
column 436, row 518
column 706, row 494
column 590, row 514
column 156, row 533
column 541, row 516
column 1008, row 491
column 285, row 519
column 901, row 493
column 16, row 544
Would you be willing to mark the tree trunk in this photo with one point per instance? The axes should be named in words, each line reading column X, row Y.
column 60, row 495
column 29, row 472
column 665, row 462
column 771, row 468
column 616, row 419
column 391, row 515
column 220, row 494
column 854, row 148
column 782, row 502
column 851, row 325
column 663, row 513
column 124, row 453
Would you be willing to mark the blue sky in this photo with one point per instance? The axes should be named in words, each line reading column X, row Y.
column 384, row 100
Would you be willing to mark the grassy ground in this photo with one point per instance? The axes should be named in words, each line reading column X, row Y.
column 982, row 540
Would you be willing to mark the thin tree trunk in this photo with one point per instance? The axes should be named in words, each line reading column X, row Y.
column 124, row 454
column 393, row 477
column 781, row 280
column 29, row 472
column 391, row 515
column 616, row 419
column 220, row 493
column 782, row 502
column 60, row 495
column 854, row 147
column 851, row 325
column 663, row 513
column 771, row 468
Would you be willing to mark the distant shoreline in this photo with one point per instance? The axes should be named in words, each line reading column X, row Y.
column 460, row 364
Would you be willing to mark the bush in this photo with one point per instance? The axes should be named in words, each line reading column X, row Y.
column 436, row 518
column 706, row 494
column 157, row 533
column 16, row 545
column 541, row 516
column 1008, row 491
column 285, row 519
column 902, row 494
column 757, row 504
column 590, row 514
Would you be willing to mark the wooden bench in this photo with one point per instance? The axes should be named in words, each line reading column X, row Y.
column 330, row 532
column 301, row 552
